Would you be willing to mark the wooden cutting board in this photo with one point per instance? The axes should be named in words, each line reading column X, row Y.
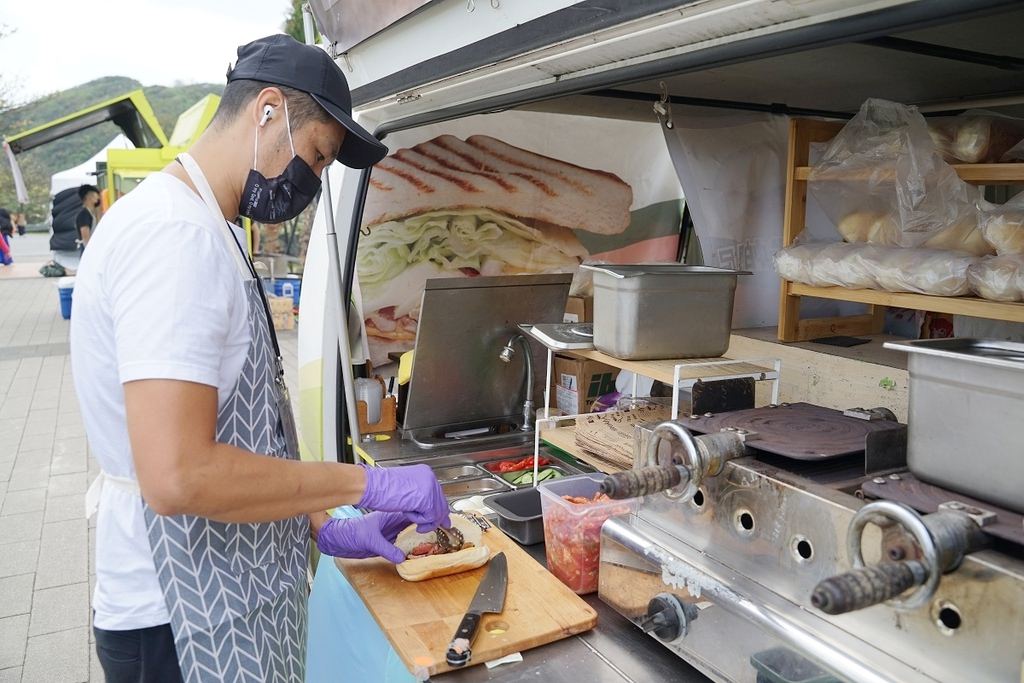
column 420, row 618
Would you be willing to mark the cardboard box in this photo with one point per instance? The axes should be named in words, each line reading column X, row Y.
column 282, row 311
column 577, row 383
column 579, row 309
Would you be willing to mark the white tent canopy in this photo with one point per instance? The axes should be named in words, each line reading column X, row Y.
column 85, row 173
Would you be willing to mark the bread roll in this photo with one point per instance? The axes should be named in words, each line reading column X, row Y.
column 873, row 228
column 432, row 566
column 965, row 236
column 1000, row 278
column 1004, row 230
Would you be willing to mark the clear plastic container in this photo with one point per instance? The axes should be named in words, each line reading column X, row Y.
column 572, row 531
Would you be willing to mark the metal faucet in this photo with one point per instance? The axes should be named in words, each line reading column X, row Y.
column 506, row 356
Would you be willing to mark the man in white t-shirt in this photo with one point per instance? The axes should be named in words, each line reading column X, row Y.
column 202, row 530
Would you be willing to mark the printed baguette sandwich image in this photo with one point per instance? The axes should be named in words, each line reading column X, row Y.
column 461, row 208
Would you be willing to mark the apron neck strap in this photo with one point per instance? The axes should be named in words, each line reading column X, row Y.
column 206, row 194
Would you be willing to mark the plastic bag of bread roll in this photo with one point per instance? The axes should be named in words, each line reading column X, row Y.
column 1003, row 226
column 975, row 137
column 999, row 278
column 881, row 180
column 869, row 266
column 921, row 271
column 824, row 265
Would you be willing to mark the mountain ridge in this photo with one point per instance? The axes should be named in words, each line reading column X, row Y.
column 39, row 164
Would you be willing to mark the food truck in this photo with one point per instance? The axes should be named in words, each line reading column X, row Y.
column 707, row 313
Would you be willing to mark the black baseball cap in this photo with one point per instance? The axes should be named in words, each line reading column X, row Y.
column 282, row 60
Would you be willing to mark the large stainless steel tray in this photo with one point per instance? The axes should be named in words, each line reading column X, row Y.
column 666, row 310
column 966, row 431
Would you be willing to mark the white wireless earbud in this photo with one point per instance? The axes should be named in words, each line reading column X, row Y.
column 268, row 113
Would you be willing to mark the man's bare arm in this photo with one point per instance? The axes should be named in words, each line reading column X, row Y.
column 183, row 470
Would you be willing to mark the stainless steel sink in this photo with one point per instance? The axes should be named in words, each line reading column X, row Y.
column 480, row 433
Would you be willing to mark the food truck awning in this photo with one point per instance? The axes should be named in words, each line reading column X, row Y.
column 131, row 112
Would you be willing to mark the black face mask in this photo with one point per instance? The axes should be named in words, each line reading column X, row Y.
column 273, row 200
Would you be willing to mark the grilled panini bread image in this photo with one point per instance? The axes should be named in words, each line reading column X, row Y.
column 427, row 561
column 460, row 208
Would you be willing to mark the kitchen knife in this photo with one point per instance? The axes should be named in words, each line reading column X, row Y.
column 489, row 598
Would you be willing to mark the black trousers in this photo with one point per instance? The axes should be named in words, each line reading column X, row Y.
column 144, row 655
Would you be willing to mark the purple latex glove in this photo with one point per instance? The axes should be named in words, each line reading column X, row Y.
column 413, row 490
column 371, row 535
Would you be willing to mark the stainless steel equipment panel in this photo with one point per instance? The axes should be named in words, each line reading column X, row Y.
column 458, row 378
column 767, row 537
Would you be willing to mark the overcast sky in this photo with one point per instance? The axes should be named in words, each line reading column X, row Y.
column 61, row 43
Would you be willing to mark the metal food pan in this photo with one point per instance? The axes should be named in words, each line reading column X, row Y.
column 561, row 470
column 667, row 310
column 454, row 473
column 473, row 487
column 519, row 515
column 964, row 428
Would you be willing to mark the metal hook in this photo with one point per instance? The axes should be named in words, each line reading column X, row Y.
column 495, row 4
column 364, row 231
column 663, row 107
column 470, row 5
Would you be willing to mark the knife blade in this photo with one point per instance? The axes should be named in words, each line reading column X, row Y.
column 489, row 598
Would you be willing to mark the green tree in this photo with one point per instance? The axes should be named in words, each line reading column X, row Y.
column 293, row 23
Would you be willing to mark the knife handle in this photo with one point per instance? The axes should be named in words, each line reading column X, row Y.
column 458, row 650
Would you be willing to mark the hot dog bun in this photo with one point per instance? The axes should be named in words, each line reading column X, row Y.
column 432, row 566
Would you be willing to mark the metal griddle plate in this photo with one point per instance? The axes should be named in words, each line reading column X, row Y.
column 925, row 498
column 795, row 430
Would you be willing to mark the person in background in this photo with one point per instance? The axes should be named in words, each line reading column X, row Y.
column 6, row 231
column 6, row 224
column 20, row 221
column 87, row 217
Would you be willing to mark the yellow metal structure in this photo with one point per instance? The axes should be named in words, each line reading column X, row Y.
column 126, row 168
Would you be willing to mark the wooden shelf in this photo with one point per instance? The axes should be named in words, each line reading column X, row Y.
column 981, row 174
column 804, row 132
column 953, row 305
column 664, row 370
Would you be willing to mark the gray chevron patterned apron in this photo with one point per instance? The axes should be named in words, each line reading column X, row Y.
column 237, row 593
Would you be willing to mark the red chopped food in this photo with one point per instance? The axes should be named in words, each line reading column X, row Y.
column 573, row 539
column 517, row 465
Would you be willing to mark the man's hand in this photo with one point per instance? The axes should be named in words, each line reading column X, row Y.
column 371, row 535
column 413, row 490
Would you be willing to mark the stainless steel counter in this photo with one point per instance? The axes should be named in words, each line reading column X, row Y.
column 613, row 652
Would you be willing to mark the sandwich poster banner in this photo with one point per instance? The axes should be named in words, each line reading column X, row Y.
column 505, row 194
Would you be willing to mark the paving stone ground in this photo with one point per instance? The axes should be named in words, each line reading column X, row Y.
column 46, row 544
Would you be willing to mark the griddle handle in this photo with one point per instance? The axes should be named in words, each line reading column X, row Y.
column 867, row 586
column 644, row 481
